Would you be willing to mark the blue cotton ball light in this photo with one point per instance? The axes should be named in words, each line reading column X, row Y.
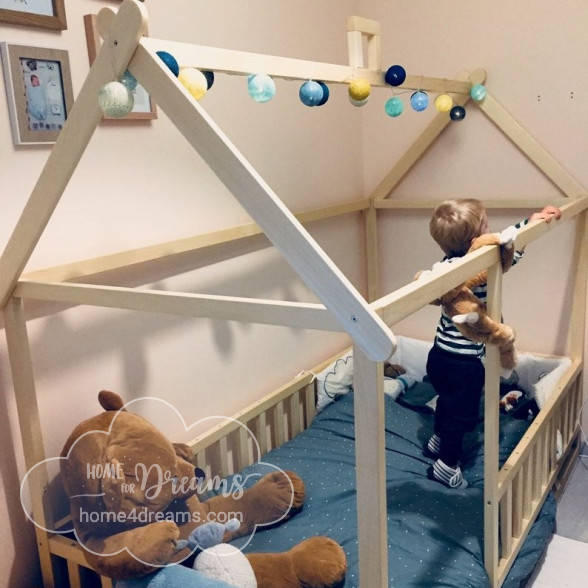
column 457, row 113
column 115, row 100
column 394, row 107
column 419, row 101
column 311, row 93
column 129, row 80
column 261, row 87
column 170, row 62
column 209, row 75
column 395, row 75
column 478, row 92
column 326, row 93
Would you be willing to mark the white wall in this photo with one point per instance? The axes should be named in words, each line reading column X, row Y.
column 140, row 183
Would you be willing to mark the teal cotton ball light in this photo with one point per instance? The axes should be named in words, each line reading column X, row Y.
column 261, row 87
column 478, row 92
column 394, row 107
column 115, row 100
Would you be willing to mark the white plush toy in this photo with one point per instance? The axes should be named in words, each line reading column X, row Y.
column 220, row 561
column 226, row 563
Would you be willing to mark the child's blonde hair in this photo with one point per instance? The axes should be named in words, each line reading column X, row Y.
column 455, row 223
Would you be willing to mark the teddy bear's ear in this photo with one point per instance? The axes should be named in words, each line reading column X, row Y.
column 110, row 400
column 184, row 451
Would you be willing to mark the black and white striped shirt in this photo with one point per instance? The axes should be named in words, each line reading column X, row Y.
column 448, row 336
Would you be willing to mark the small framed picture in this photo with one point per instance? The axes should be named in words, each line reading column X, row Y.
column 43, row 14
column 144, row 108
column 39, row 92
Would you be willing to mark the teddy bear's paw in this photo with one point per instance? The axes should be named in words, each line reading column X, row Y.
column 155, row 544
column 508, row 236
column 505, row 337
column 468, row 318
column 279, row 494
column 319, row 562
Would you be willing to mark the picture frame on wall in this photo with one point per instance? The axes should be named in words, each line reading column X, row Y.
column 144, row 107
column 39, row 92
column 43, row 14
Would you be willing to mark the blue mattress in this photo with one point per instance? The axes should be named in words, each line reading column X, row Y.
column 435, row 535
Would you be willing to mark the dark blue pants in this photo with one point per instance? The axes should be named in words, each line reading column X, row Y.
column 459, row 381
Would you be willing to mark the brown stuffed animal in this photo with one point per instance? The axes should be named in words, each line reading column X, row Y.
column 133, row 495
column 468, row 312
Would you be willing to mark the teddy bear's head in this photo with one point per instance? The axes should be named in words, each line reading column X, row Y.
column 120, row 471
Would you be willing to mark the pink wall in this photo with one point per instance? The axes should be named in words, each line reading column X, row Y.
column 144, row 183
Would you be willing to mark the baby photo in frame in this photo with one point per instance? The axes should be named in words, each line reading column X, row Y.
column 39, row 92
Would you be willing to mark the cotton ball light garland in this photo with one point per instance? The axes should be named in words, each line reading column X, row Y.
column 419, row 101
column 115, row 100
column 194, row 81
column 443, row 103
column 170, row 62
column 261, row 87
column 311, row 93
column 359, row 89
column 394, row 107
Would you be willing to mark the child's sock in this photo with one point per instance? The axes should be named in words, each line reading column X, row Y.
column 451, row 477
column 433, row 446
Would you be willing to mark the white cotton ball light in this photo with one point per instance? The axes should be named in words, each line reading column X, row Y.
column 115, row 100
column 194, row 81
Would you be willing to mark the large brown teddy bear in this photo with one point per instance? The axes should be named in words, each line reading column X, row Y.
column 133, row 496
column 469, row 313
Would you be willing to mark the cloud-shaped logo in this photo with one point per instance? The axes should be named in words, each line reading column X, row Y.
column 152, row 484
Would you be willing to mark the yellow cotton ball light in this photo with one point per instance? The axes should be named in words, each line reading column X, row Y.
column 359, row 89
column 115, row 100
column 194, row 81
column 443, row 103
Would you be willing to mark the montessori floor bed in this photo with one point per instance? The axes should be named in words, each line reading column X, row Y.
column 513, row 467
column 435, row 535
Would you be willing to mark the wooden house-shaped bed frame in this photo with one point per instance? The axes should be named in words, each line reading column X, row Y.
column 513, row 494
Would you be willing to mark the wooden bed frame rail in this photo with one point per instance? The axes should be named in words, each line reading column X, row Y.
column 513, row 495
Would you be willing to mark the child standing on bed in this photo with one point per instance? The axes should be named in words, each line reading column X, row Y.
column 455, row 365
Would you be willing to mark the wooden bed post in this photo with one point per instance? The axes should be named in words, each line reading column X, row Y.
column 30, row 425
column 371, row 252
column 576, row 344
column 491, row 432
column 357, row 29
column 370, row 458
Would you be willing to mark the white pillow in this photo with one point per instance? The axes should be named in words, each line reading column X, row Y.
column 337, row 379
